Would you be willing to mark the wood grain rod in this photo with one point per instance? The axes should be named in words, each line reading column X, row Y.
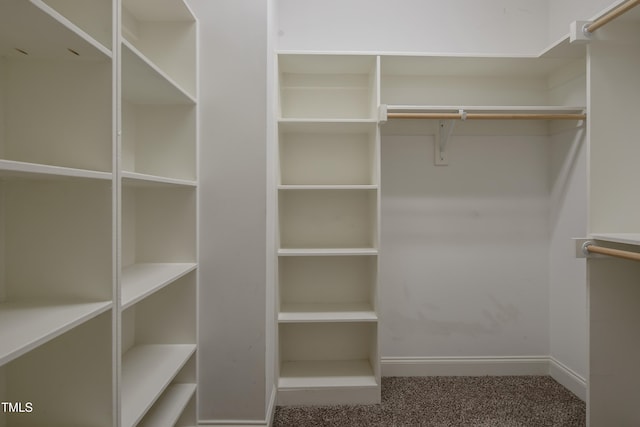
column 613, row 14
column 633, row 256
column 488, row 116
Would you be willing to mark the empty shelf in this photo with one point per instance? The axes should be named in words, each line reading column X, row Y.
column 14, row 169
column 167, row 410
column 25, row 325
column 141, row 280
column 146, row 371
column 327, row 373
column 345, row 312
column 144, row 180
column 327, row 252
column 626, row 238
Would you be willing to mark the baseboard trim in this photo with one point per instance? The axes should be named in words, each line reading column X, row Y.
column 267, row 422
column 568, row 378
column 464, row 366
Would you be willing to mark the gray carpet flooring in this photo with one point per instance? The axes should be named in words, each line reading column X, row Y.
column 516, row 401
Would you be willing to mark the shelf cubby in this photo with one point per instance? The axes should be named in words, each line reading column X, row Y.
column 158, row 344
column 159, row 141
column 56, row 112
column 327, row 355
column 67, row 380
column 327, row 87
column 166, row 35
column 158, row 225
column 331, row 288
column 171, row 406
column 328, row 153
column 92, row 17
column 328, row 219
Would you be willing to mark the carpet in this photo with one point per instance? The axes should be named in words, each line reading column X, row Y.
column 504, row 401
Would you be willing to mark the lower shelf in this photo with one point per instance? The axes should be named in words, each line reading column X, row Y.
column 24, row 325
column 146, row 371
column 167, row 410
column 345, row 382
column 326, row 373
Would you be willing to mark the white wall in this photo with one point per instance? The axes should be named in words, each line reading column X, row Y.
column 233, row 161
column 464, row 266
column 488, row 26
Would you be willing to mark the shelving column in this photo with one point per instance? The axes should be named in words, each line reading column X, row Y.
column 328, row 204
column 56, row 192
column 158, row 211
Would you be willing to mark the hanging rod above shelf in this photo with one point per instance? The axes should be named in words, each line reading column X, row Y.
column 611, row 15
column 588, row 248
column 388, row 112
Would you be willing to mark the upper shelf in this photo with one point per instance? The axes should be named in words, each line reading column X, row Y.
column 56, row 36
column 145, row 83
column 14, row 169
column 626, row 238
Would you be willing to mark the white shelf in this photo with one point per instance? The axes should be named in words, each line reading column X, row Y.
column 146, row 371
column 143, row 180
column 626, row 238
column 328, row 373
column 342, row 312
column 14, row 169
column 141, row 280
column 54, row 37
column 328, row 187
column 524, row 109
column 167, row 410
column 327, row 252
column 324, row 121
column 145, row 83
column 25, row 325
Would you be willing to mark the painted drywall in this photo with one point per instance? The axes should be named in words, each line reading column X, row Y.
column 462, row 26
column 233, row 117
column 463, row 267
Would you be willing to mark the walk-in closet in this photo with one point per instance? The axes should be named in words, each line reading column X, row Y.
column 229, row 213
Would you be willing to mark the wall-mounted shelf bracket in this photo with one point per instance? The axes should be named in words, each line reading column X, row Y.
column 445, row 129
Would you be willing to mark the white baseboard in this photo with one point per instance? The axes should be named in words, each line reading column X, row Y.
column 568, row 378
column 464, row 366
column 267, row 422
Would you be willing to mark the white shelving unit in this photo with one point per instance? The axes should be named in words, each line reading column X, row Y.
column 98, row 189
column 328, row 203
column 614, row 294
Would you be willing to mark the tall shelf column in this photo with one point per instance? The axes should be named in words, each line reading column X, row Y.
column 328, row 204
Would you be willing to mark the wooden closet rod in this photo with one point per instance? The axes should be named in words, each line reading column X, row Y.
column 613, row 14
column 488, row 116
column 633, row 256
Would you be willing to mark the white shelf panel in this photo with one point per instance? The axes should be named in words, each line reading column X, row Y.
column 344, row 312
column 530, row 109
column 626, row 238
column 144, row 180
column 323, row 121
column 14, row 169
column 145, row 83
column 153, row 10
column 25, row 325
column 54, row 37
column 146, row 371
column 330, row 373
column 167, row 410
column 327, row 187
column 327, row 252
column 141, row 280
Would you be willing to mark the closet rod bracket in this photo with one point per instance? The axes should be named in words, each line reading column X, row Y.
column 443, row 135
column 578, row 32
